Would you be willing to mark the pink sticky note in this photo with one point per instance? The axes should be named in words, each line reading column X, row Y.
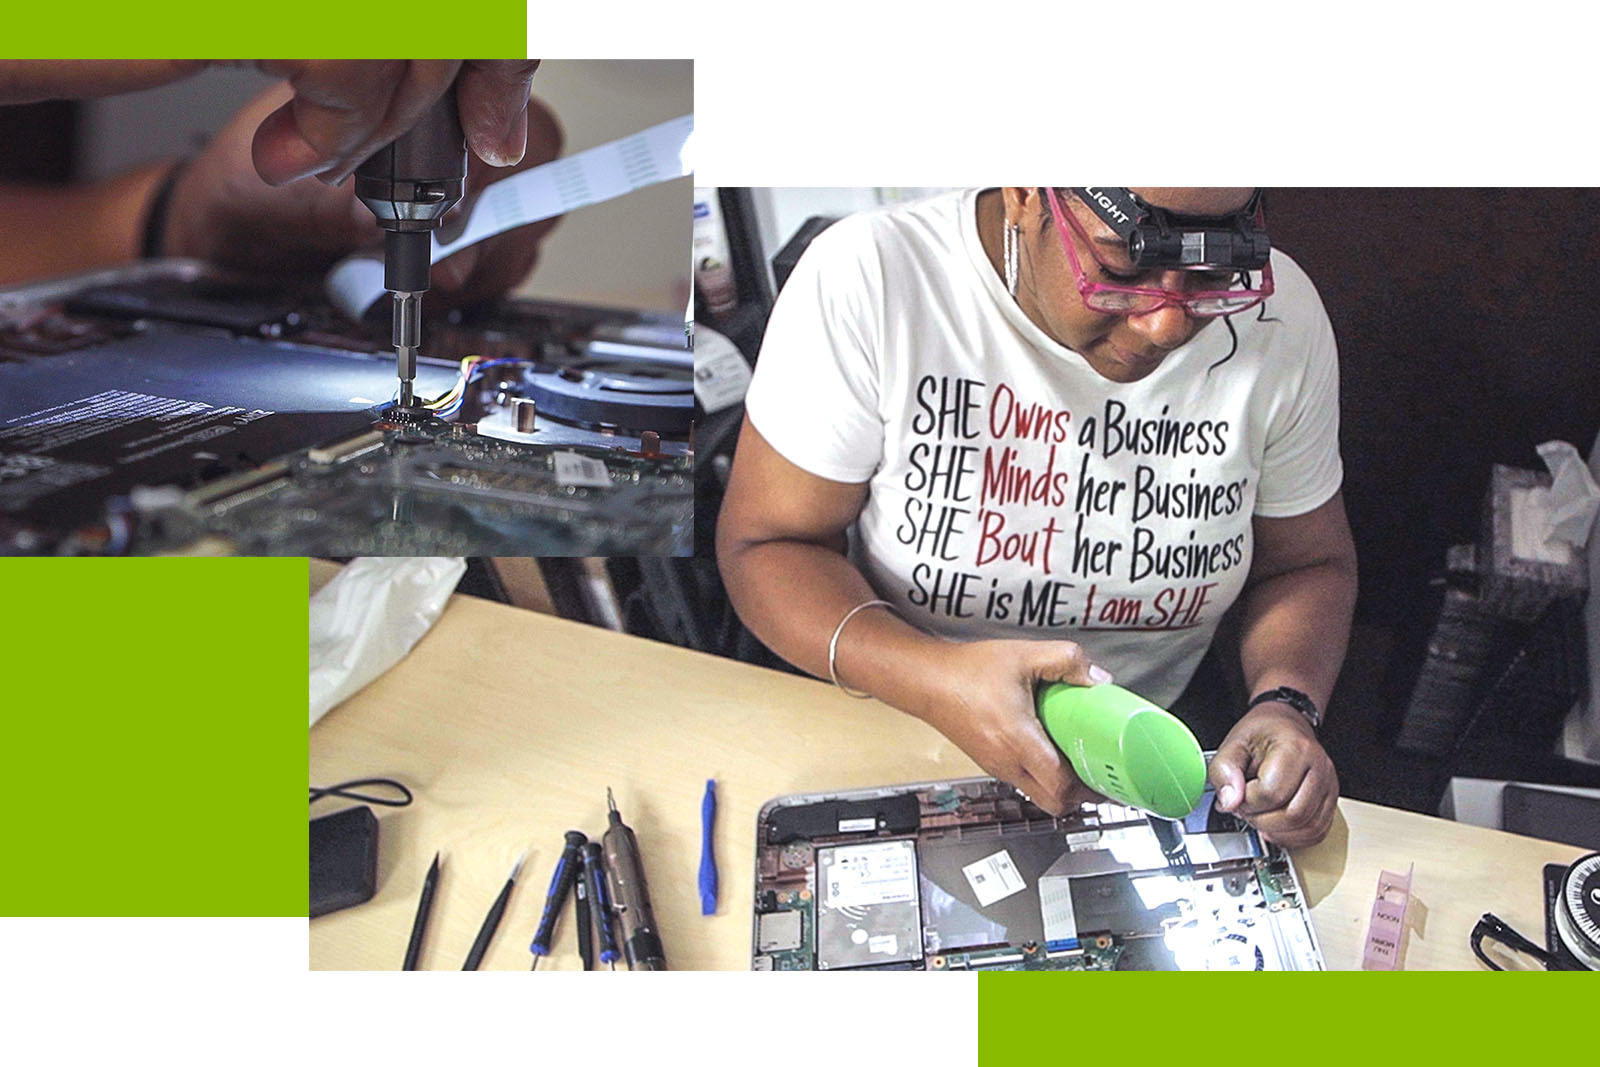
column 1388, row 921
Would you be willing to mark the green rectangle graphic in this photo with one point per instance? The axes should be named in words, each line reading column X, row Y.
column 299, row 29
column 154, row 744
column 1333, row 1017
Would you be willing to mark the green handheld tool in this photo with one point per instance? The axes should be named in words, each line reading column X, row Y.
column 1125, row 748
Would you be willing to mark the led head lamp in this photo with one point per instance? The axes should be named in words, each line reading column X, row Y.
column 1165, row 240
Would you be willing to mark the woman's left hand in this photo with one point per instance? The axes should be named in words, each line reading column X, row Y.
column 1272, row 771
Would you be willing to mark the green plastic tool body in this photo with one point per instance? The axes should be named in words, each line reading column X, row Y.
column 1125, row 748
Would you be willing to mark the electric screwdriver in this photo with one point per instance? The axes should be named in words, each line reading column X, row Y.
column 409, row 185
column 630, row 896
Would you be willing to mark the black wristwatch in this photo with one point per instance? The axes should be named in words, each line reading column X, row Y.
column 1295, row 699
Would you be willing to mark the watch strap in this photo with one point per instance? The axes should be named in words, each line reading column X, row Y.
column 1297, row 700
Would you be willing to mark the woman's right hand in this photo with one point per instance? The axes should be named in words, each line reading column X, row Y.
column 781, row 539
column 986, row 706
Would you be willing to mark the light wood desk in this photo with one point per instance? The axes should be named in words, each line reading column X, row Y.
column 509, row 725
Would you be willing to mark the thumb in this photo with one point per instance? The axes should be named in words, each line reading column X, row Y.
column 1065, row 661
column 493, row 98
column 280, row 153
column 1227, row 773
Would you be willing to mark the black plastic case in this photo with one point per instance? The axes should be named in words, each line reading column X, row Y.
column 344, row 859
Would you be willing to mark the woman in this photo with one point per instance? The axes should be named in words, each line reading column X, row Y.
column 1058, row 464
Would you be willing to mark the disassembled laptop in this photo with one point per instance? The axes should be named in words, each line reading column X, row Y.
column 966, row 874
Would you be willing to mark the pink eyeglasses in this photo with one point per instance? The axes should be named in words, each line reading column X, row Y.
column 1140, row 300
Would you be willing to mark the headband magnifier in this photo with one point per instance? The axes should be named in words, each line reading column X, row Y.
column 1165, row 240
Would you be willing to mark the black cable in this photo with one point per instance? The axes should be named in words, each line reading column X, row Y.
column 343, row 790
column 1496, row 929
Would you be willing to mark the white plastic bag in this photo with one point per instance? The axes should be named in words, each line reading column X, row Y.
column 370, row 616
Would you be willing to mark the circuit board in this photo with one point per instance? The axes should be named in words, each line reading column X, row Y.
column 439, row 490
column 161, row 409
column 967, row 875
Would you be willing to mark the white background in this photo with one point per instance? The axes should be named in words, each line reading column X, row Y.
column 836, row 93
column 237, row 991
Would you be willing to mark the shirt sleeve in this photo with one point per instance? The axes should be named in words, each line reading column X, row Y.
column 815, row 395
column 1301, row 469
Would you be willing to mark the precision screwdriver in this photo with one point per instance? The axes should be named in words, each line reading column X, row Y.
column 409, row 185
column 630, row 895
column 566, row 872
column 580, row 915
column 594, row 873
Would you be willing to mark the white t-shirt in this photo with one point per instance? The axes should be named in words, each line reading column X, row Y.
column 1013, row 491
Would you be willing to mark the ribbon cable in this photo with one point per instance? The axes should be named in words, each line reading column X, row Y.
column 592, row 176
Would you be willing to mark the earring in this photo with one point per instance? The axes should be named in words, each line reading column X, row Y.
column 1010, row 252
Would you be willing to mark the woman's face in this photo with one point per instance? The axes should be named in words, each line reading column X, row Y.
column 1123, row 348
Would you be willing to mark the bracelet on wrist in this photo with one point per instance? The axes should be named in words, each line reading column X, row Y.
column 833, row 644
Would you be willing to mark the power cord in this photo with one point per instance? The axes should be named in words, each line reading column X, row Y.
column 343, row 789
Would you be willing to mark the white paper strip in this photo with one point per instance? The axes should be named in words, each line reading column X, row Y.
column 588, row 177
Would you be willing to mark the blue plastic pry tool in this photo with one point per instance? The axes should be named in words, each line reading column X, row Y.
column 708, row 858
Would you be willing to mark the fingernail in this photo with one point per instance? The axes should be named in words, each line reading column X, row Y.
column 1098, row 675
column 1227, row 797
column 505, row 147
column 514, row 143
column 492, row 149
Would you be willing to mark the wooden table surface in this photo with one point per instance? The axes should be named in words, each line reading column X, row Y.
column 509, row 725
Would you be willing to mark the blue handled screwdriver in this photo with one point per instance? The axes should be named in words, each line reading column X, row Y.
column 566, row 873
column 594, row 875
column 580, row 915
